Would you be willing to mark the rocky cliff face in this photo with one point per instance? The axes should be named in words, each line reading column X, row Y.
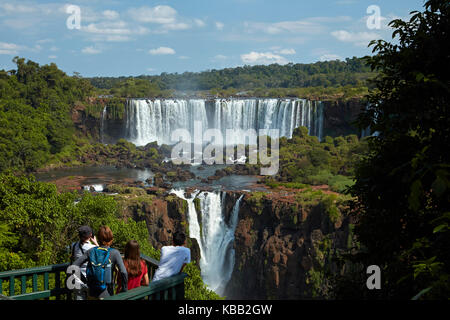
column 88, row 120
column 164, row 214
column 84, row 123
column 284, row 248
column 339, row 117
column 284, row 240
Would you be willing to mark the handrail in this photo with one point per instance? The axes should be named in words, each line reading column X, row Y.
column 29, row 288
column 171, row 288
column 30, row 271
column 51, row 275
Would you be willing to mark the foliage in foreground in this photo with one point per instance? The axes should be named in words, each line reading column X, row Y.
column 37, row 224
column 403, row 186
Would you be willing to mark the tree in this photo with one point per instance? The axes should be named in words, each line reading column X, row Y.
column 403, row 186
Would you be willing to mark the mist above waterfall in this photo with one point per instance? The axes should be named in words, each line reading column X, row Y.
column 155, row 120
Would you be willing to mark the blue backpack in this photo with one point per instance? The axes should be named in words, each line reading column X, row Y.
column 98, row 271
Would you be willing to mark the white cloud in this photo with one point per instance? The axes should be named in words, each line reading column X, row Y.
column 90, row 50
column 200, row 23
column 172, row 27
column 158, row 14
column 300, row 26
column 52, row 57
column 116, row 38
column 118, row 27
column 9, row 48
column 164, row 16
column 330, row 57
column 20, row 23
column 220, row 57
column 183, row 57
column 8, row 8
column 45, row 41
column 345, row 2
column 110, row 14
column 357, row 38
column 112, row 31
column 219, row 25
column 162, row 51
column 263, row 58
column 286, row 51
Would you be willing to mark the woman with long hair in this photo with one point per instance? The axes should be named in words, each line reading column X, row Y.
column 136, row 267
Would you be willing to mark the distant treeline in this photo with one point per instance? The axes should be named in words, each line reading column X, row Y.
column 353, row 72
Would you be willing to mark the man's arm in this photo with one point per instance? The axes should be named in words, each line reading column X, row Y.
column 187, row 259
column 82, row 259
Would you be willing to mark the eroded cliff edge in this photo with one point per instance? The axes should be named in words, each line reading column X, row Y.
column 285, row 244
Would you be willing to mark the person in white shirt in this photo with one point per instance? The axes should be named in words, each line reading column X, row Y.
column 173, row 258
column 86, row 242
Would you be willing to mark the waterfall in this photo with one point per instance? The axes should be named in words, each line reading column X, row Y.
column 102, row 125
column 214, row 235
column 155, row 120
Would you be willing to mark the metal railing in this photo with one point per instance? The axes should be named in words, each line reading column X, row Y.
column 49, row 282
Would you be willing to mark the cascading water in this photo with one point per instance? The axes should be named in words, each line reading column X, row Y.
column 214, row 235
column 102, row 126
column 155, row 120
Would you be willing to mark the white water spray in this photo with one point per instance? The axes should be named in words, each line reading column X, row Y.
column 155, row 120
column 214, row 235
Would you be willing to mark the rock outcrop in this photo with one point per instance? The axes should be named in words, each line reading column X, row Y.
column 339, row 117
column 283, row 249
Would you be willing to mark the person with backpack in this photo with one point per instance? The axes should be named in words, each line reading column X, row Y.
column 101, row 261
column 86, row 241
column 136, row 267
column 173, row 258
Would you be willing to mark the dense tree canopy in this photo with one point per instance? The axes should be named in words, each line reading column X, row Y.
column 35, row 104
column 305, row 160
column 352, row 72
column 403, row 186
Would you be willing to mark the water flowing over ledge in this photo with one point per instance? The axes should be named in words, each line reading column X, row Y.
column 214, row 235
column 155, row 120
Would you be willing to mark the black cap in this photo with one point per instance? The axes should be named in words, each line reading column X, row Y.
column 84, row 231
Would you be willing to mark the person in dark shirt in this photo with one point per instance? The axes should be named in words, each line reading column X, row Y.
column 105, row 239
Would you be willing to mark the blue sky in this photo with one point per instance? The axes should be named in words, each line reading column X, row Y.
column 123, row 38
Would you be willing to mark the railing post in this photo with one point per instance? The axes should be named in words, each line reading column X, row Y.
column 58, row 283
column 180, row 291
column 11, row 286
column 35, row 278
column 46, row 282
column 23, row 284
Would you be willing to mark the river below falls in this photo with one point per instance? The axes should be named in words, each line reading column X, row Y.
column 99, row 177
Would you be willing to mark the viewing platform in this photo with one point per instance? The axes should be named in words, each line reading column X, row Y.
column 49, row 283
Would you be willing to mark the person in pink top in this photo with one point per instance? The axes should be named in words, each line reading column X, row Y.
column 136, row 267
